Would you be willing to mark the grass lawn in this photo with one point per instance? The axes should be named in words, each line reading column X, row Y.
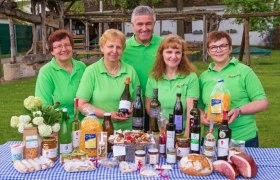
column 13, row 93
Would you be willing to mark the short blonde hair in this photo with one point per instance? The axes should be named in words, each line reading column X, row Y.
column 110, row 34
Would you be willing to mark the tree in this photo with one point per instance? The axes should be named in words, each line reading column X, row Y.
column 260, row 24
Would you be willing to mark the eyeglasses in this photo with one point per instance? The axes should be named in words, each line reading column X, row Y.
column 60, row 46
column 215, row 48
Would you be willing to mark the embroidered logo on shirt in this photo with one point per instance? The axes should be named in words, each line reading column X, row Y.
column 233, row 76
column 181, row 85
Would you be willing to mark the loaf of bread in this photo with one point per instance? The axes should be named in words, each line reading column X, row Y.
column 196, row 164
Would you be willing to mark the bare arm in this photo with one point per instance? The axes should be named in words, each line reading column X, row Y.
column 250, row 108
column 84, row 105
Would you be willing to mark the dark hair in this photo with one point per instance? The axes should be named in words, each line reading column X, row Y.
column 218, row 35
column 176, row 42
column 57, row 36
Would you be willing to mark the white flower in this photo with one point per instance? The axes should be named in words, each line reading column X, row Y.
column 32, row 102
column 38, row 120
column 28, row 125
column 37, row 113
column 20, row 127
column 14, row 121
column 24, row 119
column 44, row 130
column 56, row 127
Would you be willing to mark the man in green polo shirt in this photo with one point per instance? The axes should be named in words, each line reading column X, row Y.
column 141, row 48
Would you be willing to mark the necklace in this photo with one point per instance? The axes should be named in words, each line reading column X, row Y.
column 115, row 70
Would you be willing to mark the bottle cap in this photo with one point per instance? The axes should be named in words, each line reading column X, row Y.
column 107, row 114
column 127, row 80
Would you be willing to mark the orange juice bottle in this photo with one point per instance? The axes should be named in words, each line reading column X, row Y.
column 90, row 126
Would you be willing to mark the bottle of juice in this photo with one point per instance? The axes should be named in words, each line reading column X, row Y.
column 90, row 126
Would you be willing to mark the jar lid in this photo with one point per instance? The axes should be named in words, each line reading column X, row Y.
column 140, row 152
column 182, row 139
column 107, row 114
column 153, row 150
column 48, row 138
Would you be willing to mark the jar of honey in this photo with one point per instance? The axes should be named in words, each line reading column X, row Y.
column 49, row 148
column 90, row 126
column 182, row 147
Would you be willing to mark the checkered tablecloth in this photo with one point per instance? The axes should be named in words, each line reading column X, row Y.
column 267, row 160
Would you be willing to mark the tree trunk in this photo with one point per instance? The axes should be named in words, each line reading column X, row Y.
column 247, row 41
column 44, row 29
column 12, row 40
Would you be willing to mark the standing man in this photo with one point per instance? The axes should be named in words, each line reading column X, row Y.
column 141, row 48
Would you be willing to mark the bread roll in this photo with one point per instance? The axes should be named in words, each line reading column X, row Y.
column 196, row 164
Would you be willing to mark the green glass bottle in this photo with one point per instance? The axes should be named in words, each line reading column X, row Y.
column 65, row 140
column 76, row 125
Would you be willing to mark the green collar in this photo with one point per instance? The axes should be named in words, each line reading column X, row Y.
column 55, row 65
column 178, row 76
column 103, row 70
column 135, row 43
column 233, row 61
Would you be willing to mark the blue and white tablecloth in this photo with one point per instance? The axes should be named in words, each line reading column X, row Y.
column 267, row 160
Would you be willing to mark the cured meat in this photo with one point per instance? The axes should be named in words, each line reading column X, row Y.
column 245, row 164
column 226, row 168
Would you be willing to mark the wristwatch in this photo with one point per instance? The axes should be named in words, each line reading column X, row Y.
column 239, row 110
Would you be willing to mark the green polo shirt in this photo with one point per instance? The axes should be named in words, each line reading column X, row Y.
column 188, row 86
column 103, row 91
column 141, row 57
column 55, row 84
column 244, row 87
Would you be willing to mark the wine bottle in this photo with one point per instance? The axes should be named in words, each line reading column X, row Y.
column 162, row 135
column 138, row 112
column 195, row 136
column 224, row 136
column 124, row 105
column 109, row 128
column 194, row 111
column 178, row 114
column 154, row 112
column 76, row 125
column 170, row 132
column 65, row 141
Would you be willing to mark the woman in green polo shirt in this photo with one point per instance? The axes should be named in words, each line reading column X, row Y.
column 247, row 94
column 172, row 73
column 58, row 80
column 103, row 82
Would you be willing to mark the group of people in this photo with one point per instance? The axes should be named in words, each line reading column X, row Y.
column 151, row 62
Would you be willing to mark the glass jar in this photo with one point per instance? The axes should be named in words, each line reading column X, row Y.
column 182, row 147
column 153, row 156
column 140, row 157
column 171, row 155
column 49, row 148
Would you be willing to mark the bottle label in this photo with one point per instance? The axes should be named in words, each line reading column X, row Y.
column 90, row 141
column 137, row 121
column 170, row 139
column 154, row 112
column 209, row 153
column 31, row 141
column 76, row 138
column 216, row 106
column 65, row 148
column 210, row 143
column 181, row 152
column 223, row 147
column 49, row 153
column 124, row 104
column 171, row 158
column 178, row 119
column 195, row 141
column 153, row 158
column 162, row 148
